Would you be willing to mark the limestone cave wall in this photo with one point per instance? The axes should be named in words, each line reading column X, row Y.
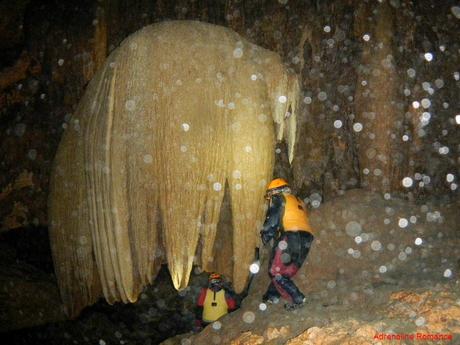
column 376, row 107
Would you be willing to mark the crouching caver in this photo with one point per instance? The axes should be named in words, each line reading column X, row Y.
column 286, row 223
column 214, row 301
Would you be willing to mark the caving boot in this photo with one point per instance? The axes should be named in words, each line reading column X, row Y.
column 270, row 299
column 272, row 295
column 294, row 306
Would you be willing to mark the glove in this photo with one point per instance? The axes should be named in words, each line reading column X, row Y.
column 266, row 237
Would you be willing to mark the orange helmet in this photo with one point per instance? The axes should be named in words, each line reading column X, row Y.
column 215, row 282
column 215, row 276
column 277, row 183
column 276, row 186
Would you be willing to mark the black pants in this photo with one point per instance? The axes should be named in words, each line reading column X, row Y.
column 288, row 254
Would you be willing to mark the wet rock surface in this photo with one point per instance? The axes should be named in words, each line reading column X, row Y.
column 351, row 298
column 402, row 310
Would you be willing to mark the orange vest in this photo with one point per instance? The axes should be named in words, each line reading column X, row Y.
column 295, row 216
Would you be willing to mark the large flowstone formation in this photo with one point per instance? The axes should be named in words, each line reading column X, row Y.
column 179, row 113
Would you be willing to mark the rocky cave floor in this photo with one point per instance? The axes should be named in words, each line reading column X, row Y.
column 404, row 305
column 349, row 312
column 399, row 304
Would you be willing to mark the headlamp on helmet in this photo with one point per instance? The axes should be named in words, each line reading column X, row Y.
column 215, row 281
column 276, row 186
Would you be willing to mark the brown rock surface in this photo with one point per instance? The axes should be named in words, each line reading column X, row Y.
column 437, row 311
column 417, row 293
column 273, row 333
column 247, row 338
column 335, row 334
column 398, row 314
